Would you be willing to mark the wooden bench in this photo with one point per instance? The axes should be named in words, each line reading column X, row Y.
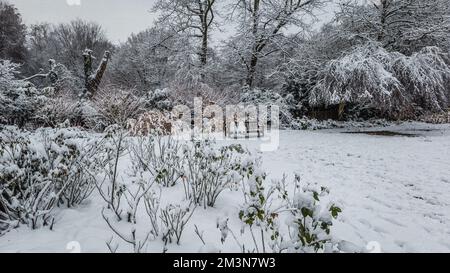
column 249, row 128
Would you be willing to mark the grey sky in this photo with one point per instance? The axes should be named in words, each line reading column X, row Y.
column 120, row 18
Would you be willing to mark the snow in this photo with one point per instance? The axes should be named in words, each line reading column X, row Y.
column 394, row 192
column 385, row 80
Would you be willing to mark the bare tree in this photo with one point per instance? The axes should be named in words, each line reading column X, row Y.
column 146, row 61
column 400, row 25
column 261, row 25
column 64, row 43
column 197, row 17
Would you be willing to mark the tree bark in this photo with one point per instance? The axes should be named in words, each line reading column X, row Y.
column 93, row 80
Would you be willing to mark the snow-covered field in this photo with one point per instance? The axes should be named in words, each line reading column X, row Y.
column 394, row 192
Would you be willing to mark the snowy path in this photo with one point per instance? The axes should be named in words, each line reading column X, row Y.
column 393, row 190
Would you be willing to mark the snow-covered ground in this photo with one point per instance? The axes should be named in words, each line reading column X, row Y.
column 394, row 190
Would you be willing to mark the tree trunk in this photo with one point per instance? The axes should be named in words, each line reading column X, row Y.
column 252, row 70
column 204, row 54
column 254, row 58
column 383, row 14
column 93, row 80
column 204, row 49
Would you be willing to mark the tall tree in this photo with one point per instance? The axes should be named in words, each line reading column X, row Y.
column 12, row 34
column 400, row 25
column 152, row 59
column 194, row 16
column 66, row 43
column 261, row 24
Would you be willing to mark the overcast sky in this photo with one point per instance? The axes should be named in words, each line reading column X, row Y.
column 119, row 18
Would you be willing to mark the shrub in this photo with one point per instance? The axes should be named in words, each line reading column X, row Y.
column 114, row 106
column 268, row 98
column 27, row 191
column 151, row 122
column 161, row 156
column 159, row 99
column 209, row 170
column 34, row 178
column 56, row 111
column 308, row 221
column 74, row 160
column 174, row 219
column 18, row 99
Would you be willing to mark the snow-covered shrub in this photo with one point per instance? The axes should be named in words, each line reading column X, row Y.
column 35, row 178
column 134, row 194
column 313, row 124
column 71, row 161
column 128, row 196
column 151, row 122
column 110, row 187
column 306, row 221
column 209, row 170
column 85, row 115
column 132, row 236
column 309, row 221
column 436, row 118
column 255, row 211
column 159, row 99
column 225, row 230
column 174, row 219
column 166, row 223
column 115, row 106
column 56, row 79
column 390, row 82
column 8, row 73
column 267, row 97
column 27, row 191
column 152, row 202
column 18, row 99
column 159, row 155
column 56, row 111
column 62, row 79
